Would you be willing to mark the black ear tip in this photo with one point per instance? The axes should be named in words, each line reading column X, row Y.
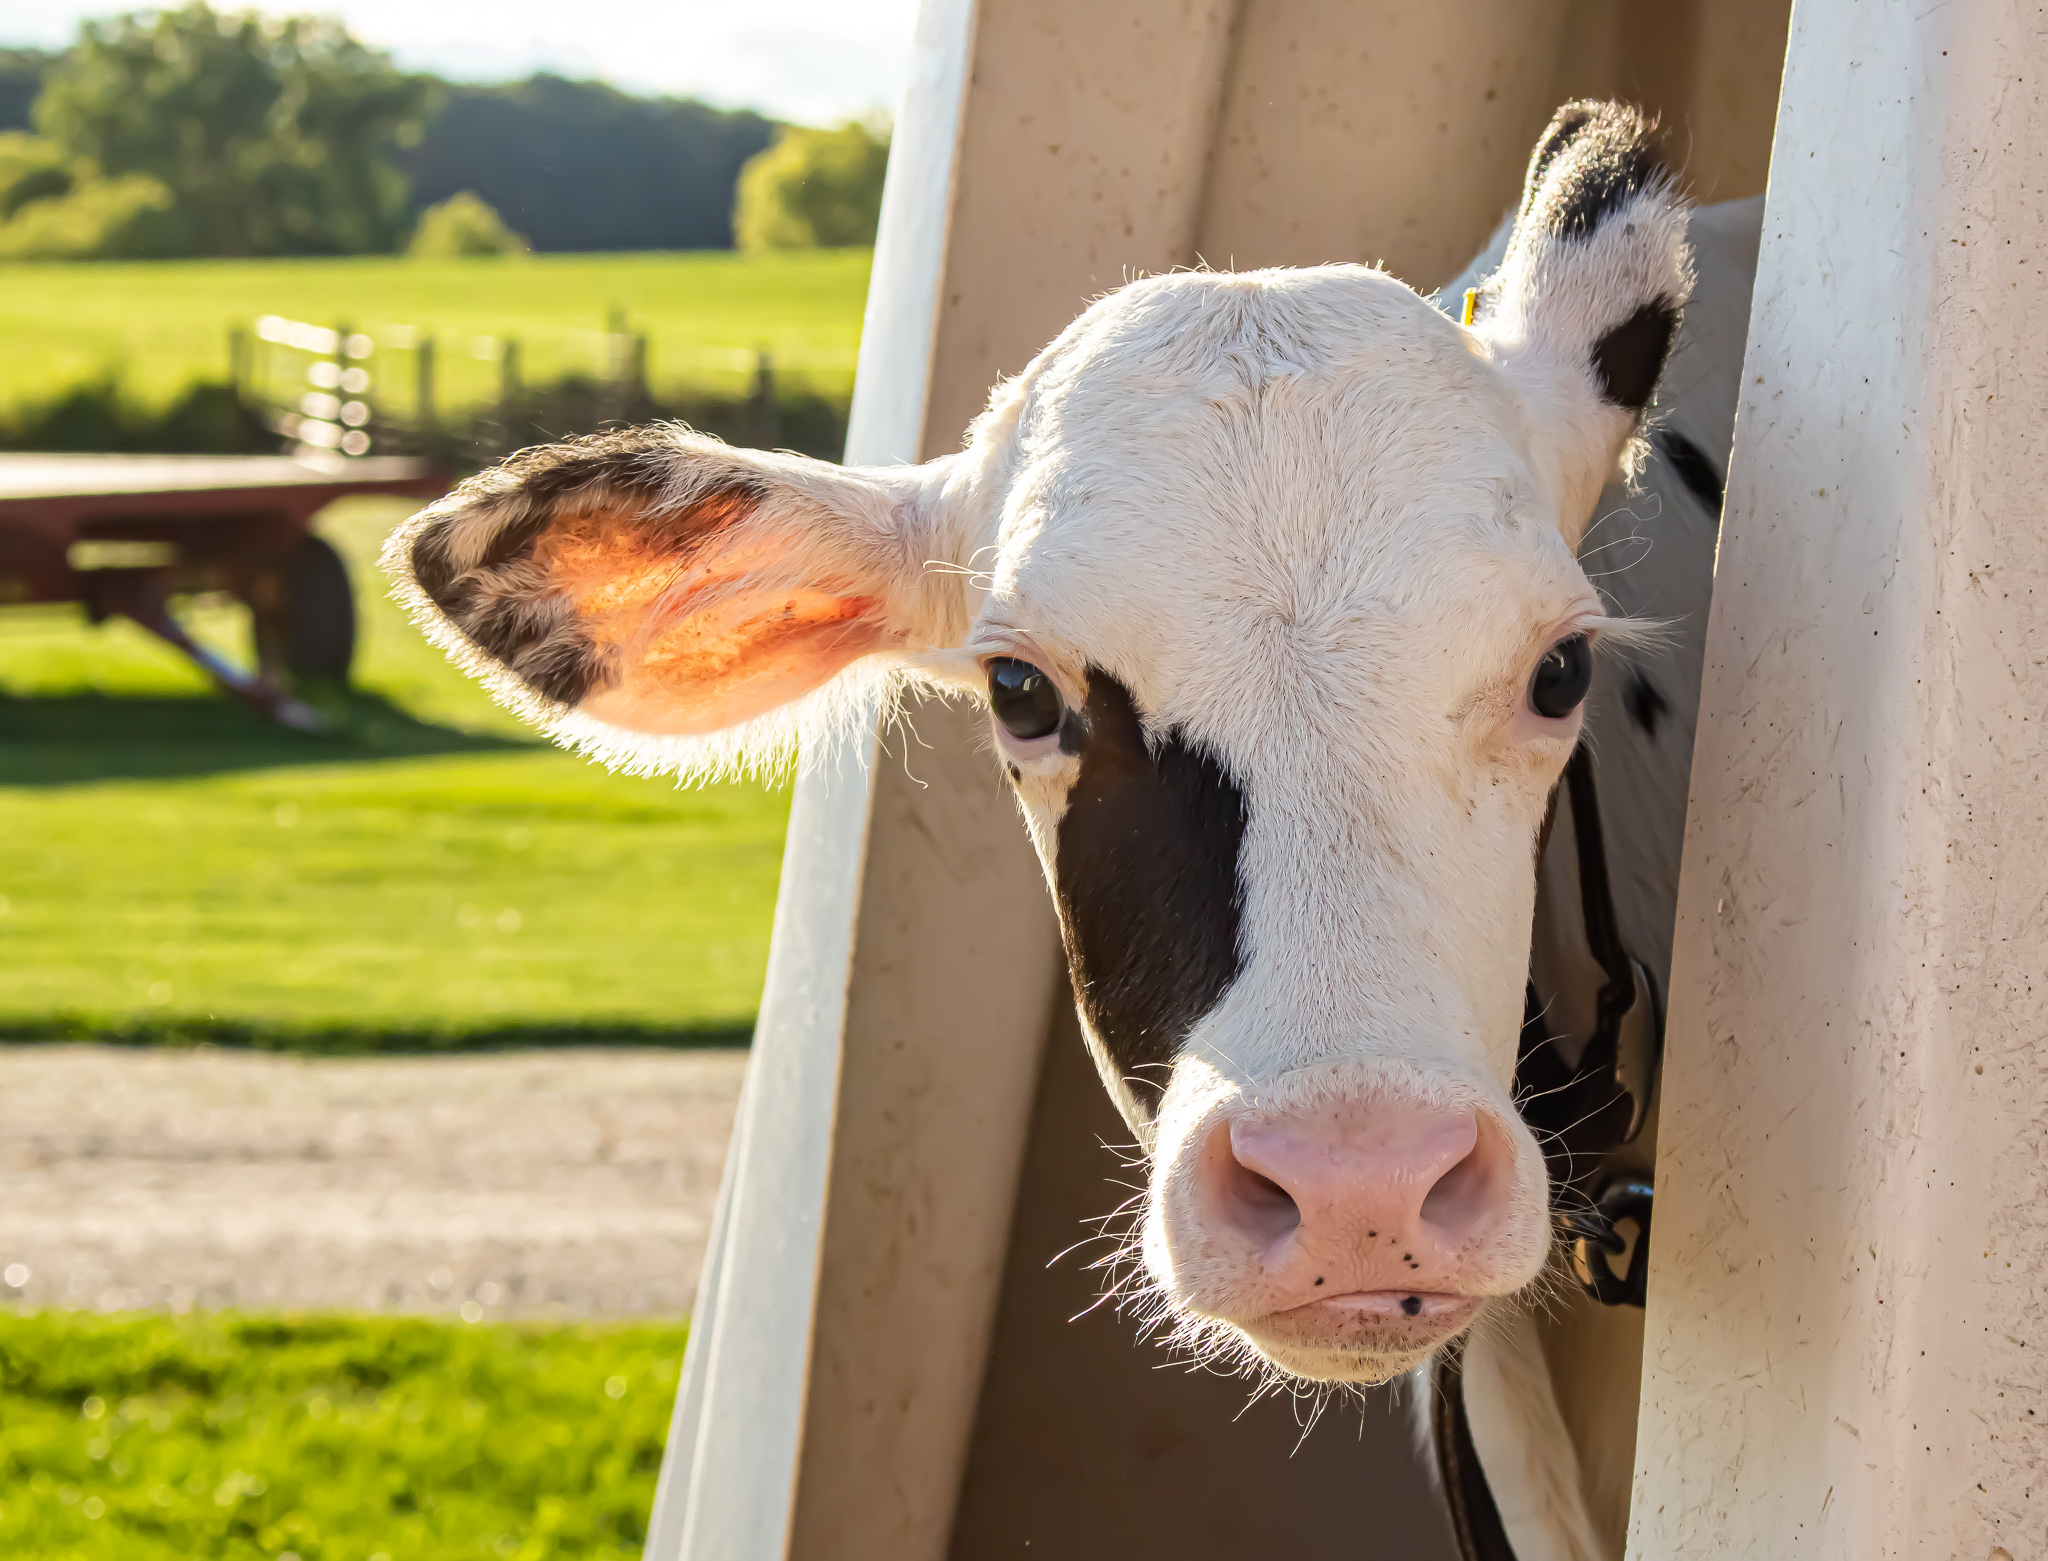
column 1564, row 128
column 1606, row 122
column 1588, row 164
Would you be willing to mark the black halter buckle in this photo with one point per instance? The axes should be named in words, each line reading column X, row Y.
column 1596, row 1237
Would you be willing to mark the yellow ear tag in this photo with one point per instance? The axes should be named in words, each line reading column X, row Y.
column 1471, row 306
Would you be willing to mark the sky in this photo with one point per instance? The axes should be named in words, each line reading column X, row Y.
column 812, row 61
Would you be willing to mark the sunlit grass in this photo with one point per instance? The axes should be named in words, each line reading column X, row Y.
column 242, row 1437
column 428, row 875
column 160, row 325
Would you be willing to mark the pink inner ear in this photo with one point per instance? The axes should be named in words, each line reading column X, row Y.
column 705, row 625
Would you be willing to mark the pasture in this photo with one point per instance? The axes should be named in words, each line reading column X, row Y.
column 426, row 876
column 329, row 1437
column 160, row 326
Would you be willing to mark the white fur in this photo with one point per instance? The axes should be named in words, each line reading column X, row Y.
column 1522, row 1443
column 1549, row 296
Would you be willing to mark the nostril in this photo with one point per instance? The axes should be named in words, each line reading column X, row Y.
column 1460, row 1200
column 1240, row 1197
column 1267, row 1197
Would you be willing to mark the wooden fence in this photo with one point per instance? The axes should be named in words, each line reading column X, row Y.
column 343, row 391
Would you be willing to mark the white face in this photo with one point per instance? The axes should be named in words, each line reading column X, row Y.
column 1329, row 603
column 1269, row 579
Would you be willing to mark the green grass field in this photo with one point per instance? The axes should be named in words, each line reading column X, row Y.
column 159, row 326
column 237, row 1437
column 427, row 876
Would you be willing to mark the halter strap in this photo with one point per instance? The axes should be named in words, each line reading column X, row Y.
column 1580, row 1115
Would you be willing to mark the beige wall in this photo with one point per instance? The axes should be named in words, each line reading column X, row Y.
column 1845, row 1352
column 1104, row 140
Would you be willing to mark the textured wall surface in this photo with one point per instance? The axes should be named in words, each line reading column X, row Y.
column 1845, row 1351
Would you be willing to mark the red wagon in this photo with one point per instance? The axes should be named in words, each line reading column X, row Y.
column 123, row 534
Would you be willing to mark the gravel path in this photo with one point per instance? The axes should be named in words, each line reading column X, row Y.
column 540, row 1183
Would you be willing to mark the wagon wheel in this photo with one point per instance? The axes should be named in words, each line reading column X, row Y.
column 310, row 631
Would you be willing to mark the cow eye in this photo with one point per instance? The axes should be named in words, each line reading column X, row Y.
column 1562, row 677
column 1023, row 698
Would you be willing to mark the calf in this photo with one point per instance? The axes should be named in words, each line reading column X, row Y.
column 1269, row 583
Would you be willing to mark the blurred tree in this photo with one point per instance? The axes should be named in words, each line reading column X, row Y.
column 464, row 224
column 577, row 165
column 21, row 78
column 273, row 136
column 54, row 207
column 128, row 217
column 813, row 188
column 31, row 169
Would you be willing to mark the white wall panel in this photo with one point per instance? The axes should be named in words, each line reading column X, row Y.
column 1845, row 1352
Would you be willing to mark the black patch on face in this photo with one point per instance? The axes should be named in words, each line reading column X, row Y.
column 1702, row 480
column 1644, row 704
column 1628, row 359
column 1592, row 160
column 1147, row 884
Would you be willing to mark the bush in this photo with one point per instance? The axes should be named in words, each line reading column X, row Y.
column 54, row 206
column 464, row 224
column 31, row 169
column 792, row 417
column 132, row 217
column 813, row 189
column 213, row 419
column 100, row 417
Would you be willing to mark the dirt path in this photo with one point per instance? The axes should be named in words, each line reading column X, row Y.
column 574, row 1182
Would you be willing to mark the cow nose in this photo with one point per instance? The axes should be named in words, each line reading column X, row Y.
column 1390, row 1193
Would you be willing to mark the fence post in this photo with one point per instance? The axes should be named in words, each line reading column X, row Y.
column 342, row 331
column 508, row 393
column 764, row 423
column 423, row 417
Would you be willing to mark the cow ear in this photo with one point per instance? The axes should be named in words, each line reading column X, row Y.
column 1582, row 312
column 668, row 603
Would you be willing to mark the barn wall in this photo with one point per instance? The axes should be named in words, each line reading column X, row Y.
column 1846, row 1352
column 1082, row 163
column 1393, row 133
column 1709, row 68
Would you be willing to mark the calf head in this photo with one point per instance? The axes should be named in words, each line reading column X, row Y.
column 1269, row 582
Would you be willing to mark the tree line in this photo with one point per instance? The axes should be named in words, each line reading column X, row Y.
column 194, row 132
